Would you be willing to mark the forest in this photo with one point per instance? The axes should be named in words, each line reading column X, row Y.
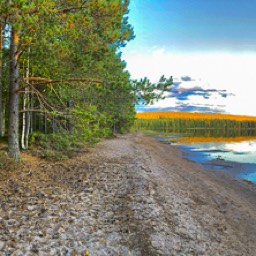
column 197, row 124
column 62, row 78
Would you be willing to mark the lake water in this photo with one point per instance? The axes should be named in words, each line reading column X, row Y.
column 235, row 155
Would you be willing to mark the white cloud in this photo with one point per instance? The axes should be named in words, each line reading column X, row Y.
column 234, row 72
column 165, row 103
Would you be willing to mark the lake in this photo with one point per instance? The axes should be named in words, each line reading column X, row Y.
column 233, row 154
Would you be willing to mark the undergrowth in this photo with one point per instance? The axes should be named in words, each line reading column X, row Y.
column 55, row 146
column 7, row 163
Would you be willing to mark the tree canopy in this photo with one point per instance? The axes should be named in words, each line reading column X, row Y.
column 62, row 62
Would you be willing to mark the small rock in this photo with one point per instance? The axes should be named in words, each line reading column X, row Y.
column 2, row 245
column 18, row 253
column 155, row 243
column 31, row 207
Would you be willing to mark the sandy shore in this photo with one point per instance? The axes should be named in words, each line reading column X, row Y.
column 130, row 196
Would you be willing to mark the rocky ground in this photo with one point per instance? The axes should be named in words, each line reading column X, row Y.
column 129, row 196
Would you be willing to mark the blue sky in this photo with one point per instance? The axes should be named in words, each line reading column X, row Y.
column 213, row 42
column 189, row 25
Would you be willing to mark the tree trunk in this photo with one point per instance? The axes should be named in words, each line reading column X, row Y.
column 13, row 128
column 3, row 118
column 45, row 123
column 25, row 121
column 53, row 125
column 69, row 118
column 27, row 129
column 25, row 115
column 32, row 115
column 1, row 85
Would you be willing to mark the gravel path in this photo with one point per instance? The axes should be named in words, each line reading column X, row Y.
column 129, row 196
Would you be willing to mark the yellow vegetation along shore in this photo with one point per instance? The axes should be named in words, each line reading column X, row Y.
column 202, row 139
column 193, row 115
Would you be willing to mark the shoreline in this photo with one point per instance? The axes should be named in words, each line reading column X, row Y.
column 130, row 195
column 239, row 170
column 214, row 199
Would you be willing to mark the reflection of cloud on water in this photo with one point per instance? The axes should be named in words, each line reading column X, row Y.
column 238, row 159
column 242, row 152
column 242, row 147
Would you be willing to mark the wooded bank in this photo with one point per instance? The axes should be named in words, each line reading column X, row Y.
column 61, row 71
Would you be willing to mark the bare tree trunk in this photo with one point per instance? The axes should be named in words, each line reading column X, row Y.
column 32, row 102
column 13, row 128
column 25, row 122
column 69, row 119
column 23, row 118
column 26, row 114
column 27, row 129
column 3, row 118
column 53, row 125
column 1, row 85
column 40, row 121
column 45, row 123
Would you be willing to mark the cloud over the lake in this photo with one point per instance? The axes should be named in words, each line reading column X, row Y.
column 186, row 78
column 186, row 86
column 182, row 108
column 190, row 95
column 215, row 78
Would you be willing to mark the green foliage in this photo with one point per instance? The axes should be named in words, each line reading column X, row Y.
column 57, row 146
column 219, row 126
column 80, row 40
column 147, row 92
column 89, row 126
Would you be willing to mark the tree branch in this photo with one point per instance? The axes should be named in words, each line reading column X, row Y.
column 46, row 81
column 44, row 112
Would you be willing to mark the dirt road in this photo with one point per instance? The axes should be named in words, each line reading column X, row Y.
column 130, row 196
column 198, row 212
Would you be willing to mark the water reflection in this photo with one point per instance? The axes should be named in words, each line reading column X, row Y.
column 230, row 150
column 242, row 152
column 249, row 176
column 211, row 132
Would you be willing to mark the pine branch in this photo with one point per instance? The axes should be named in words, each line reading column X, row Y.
column 49, row 81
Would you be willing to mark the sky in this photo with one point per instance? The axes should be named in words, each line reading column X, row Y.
column 208, row 46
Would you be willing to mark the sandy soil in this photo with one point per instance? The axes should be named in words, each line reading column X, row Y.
column 130, row 196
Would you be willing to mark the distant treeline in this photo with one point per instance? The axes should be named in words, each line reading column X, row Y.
column 193, row 122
